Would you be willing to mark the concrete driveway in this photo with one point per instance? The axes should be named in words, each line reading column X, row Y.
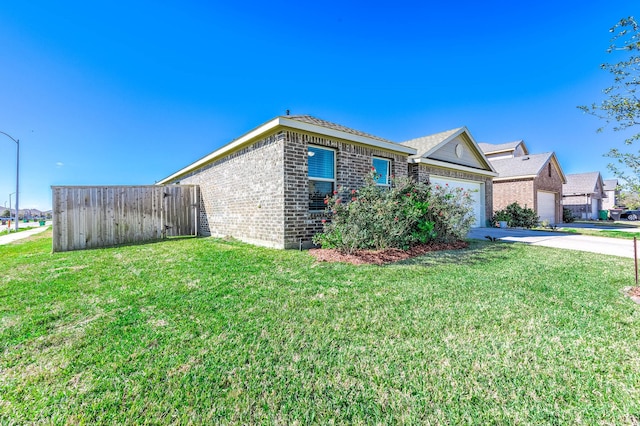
column 556, row 239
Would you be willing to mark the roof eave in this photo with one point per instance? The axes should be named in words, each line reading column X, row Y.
column 452, row 166
column 522, row 177
column 500, row 151
column 313, row 128
column 286, row 122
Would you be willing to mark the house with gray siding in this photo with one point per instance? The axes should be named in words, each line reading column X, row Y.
column 583, row 194
column 612, row 194
column 268, row 186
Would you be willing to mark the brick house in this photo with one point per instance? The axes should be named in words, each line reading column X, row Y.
column 583, row 194
column 267, row 187
column 454, row 158
column 531, row 180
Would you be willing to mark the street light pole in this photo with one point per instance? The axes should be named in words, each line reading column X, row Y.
column 17, row 141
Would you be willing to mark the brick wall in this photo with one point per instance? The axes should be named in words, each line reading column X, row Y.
column 525, row 191
column 513, row 191
column 353, row 162
column 553, row 183
column 421, row 172
column 260, row 194
column 242, row 194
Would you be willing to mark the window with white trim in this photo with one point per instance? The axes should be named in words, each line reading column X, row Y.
column 382, row 167
column 322, row 175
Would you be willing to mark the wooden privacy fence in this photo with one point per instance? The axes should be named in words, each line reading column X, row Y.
column 102, row 216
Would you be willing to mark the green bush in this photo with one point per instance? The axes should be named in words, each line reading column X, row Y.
column 567, row 215
column 408, row 213
column 516, row 216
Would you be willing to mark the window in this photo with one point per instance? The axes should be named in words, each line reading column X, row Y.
column 322, row 175
column 382, row 167
column 549, row 169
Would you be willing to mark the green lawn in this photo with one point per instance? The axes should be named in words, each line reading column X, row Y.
column 602, row 233
column 213, row 331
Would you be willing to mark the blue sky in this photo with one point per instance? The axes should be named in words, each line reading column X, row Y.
column 126, row 93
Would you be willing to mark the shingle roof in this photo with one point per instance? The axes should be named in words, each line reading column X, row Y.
column 426, row 143
column 581, row 183
column 489, row 148
column 329, row 125
column 610, row 184
column 526, row 165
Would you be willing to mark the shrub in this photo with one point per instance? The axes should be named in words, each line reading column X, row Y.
column 517, row 216
column 500, row 216
column 567, row 215
column 408, row 213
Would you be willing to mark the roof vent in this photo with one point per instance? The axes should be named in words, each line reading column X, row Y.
column 525, row 158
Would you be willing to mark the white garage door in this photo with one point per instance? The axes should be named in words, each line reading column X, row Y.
column 547, row 206
column 476, row 190
column 594, row 209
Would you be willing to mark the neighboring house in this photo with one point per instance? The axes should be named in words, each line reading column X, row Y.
column 583, row 194
column 612, row 194
column 531, row 180
column 454, row 158
column 504, row 150
column 268, row 186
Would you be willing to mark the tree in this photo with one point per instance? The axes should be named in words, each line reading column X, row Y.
column 630, row 199
column 6, row 213
column 622, row 106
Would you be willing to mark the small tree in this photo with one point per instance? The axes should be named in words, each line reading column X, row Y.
column 6, row 213
column 630, row 200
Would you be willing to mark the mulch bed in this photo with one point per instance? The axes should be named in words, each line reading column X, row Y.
column 381, row 257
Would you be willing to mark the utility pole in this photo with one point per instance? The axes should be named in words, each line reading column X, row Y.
column 17, row 141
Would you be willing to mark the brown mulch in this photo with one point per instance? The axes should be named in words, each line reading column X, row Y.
column 381, row 257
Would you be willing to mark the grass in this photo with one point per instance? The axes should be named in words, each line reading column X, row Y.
column 602, row 233
column 608, row 233
column 214, row 331
column 13, row 230
column 595, row 232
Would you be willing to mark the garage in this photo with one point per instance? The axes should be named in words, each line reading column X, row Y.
column 476, row 189
column 595, row 208
column 547, row 206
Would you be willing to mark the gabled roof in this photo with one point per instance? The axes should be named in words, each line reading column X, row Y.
column 297, row 122
column 610, row 184
column 493, row 148
column 429, row 146
column 582, row 183
column 525, row 166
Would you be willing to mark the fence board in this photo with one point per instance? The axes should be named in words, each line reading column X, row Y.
column 102, row 216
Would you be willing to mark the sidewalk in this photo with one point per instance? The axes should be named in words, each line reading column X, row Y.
column 555, row 239
column 14, row 236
